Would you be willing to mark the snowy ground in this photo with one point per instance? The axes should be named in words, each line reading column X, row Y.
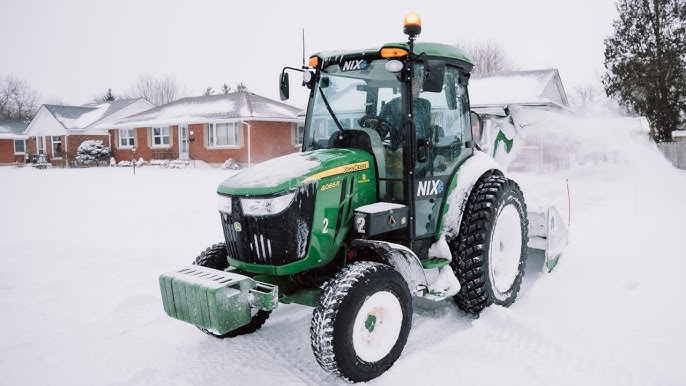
column 81, row 251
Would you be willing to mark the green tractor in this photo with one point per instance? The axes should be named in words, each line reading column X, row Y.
column 389, row 199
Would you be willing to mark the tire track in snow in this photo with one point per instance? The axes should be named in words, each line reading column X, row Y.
column 504, row 329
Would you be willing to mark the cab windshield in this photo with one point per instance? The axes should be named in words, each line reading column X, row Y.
column 350, row 95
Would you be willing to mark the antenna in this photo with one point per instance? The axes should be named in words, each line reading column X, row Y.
column 304, row 48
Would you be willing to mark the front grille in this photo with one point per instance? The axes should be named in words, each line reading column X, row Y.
column 274, row 239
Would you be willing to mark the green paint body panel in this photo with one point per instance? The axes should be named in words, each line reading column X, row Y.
column 269, row 177
column 306, row 297
column 507, row 142
column 215, row 300
column 434, row 263
column 344, row 183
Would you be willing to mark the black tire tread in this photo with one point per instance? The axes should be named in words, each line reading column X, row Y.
column 327, row 309
column 469, row 247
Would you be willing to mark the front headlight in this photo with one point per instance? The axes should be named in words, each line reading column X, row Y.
column 224, row 204
column 266, row 206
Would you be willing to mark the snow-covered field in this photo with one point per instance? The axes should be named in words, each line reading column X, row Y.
column 81, row 251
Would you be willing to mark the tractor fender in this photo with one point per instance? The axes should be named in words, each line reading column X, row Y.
column 460, row 187
column 402, row 259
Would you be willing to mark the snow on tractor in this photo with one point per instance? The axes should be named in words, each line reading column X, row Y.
column 389, row 199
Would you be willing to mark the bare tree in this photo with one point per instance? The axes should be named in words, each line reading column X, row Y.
column 17, row 99
column 54, row 101
column 241, row 87
column 209, row 91
column 585, row 95
column 225, row 89
column 158, row 91
column 488, row 57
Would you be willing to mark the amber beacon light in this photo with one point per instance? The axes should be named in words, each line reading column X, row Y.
column 412, row 25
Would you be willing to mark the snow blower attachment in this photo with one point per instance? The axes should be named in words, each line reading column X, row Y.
column 548, row 232
column 389, row 199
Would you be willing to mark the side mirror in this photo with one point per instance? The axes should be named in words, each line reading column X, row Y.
column 284, row 86
column 422, row 150
column 435, row 75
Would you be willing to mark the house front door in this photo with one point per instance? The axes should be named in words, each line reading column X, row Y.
column 183, row 142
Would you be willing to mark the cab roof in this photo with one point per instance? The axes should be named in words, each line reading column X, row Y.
column 450, row 54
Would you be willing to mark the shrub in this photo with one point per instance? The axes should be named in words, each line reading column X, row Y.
column 92, row 152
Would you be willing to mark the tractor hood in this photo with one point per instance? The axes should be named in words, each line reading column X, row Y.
column 287, row 172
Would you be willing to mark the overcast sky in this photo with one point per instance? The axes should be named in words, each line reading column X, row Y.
column 75, row 50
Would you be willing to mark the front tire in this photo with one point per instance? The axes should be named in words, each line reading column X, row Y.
column 217, row 257
column 361, row 322
column 489, row 253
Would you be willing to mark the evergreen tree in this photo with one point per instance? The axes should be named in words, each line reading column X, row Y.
column 241, row 87
column 109, row 96
column 226, row 88
column 209, row 91
column 645, row 59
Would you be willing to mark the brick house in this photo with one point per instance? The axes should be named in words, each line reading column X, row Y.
column 12, row 141
column 244, row 126
column 57, row 130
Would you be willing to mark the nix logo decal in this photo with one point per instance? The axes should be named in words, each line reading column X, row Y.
column 429, row 188
column 354, row 65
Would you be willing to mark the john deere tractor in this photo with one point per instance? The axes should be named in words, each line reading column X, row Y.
column 389, row 199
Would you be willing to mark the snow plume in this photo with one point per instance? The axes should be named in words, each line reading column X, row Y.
column 553, row 142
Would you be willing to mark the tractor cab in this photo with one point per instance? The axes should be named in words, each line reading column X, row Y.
column 406, row 104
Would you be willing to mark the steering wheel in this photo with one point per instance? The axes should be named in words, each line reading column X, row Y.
column 375, row 122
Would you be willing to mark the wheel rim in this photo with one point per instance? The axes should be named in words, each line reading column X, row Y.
column 377, row 326
column 505, row 249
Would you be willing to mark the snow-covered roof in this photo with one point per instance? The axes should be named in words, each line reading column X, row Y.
column 678, row 133
column 77, row 119
column 81, row 117
column 241, row 105
column 525, row 88
column 13, row 128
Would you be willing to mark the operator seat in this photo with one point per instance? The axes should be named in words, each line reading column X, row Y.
column 367, row 140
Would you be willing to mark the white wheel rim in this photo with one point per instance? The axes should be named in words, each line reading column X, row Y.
column 505, row 249
column 377, row 326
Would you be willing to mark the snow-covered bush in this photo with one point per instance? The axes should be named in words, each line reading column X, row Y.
column 92, row 152
column 140, row 162
column 163, row 163
column 231, row 164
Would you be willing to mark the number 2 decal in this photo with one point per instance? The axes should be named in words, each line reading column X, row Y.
column 326, row 226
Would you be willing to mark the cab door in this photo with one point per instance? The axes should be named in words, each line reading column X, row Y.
column 441, row 149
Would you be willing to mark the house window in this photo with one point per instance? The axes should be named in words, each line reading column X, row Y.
column 56, row 146
column 19, row 146
column 223, row 134
column 126, row 137
column 299, row 132
column 160, row 136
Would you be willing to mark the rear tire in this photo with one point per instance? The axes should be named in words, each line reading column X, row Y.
column 489, row 253
column 217, row 257
column 361, row 322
